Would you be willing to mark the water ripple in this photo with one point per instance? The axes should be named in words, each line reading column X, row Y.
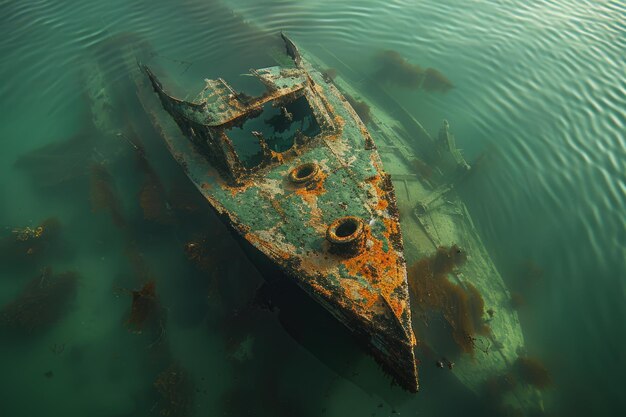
column 540, row 82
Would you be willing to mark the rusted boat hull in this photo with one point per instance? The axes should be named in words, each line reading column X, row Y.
column 321, row 213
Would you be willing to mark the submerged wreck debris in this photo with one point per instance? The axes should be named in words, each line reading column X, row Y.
column 533, row 372
column 41, row 304
column 298, row 207
column 395, row 69
column 103, row 195
column 462, row 307
column 422, row 168
column 360, row 107
column 58, row 163
column 176, row 391
column 28, row 243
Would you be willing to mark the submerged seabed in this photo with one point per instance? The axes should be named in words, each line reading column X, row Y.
column 538, row 104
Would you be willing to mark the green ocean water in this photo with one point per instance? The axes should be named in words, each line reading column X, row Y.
column 538, row 108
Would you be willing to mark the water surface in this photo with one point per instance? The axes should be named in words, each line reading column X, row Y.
column 538, row 106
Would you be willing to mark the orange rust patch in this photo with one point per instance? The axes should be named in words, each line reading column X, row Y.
column 375, row 159
column 392, row 228
column 382, row 203
column 384, row 270
column 238, row 189
column 381, row 270
column 278, row 157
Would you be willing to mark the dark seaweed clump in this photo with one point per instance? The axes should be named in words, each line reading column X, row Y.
column 494, row 392
column 361, row 108
column 176, row 392
column 462, row 308
column 394, row 69
column 44, row 300
column 152, row 194
column 498, row 385
column 144, row 307
column 533, row 372
column 103, row 194
column 152, row 203
column 58, row 163
column 434, row 80
column 517, row 300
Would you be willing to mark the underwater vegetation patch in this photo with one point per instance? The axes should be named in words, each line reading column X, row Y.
column 103, row 194
column 462, row 307
column 58, row 163
column 42, row 302
column 533, row 372
column 176, row 392
column 498, row 388
column 434, row 80
column 394, row 69
column 152, row 204
column 152, row 193
column 144, row 306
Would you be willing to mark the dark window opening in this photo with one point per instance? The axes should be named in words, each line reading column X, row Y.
column 245, row 143
column 283, row 123
column 278, row 125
